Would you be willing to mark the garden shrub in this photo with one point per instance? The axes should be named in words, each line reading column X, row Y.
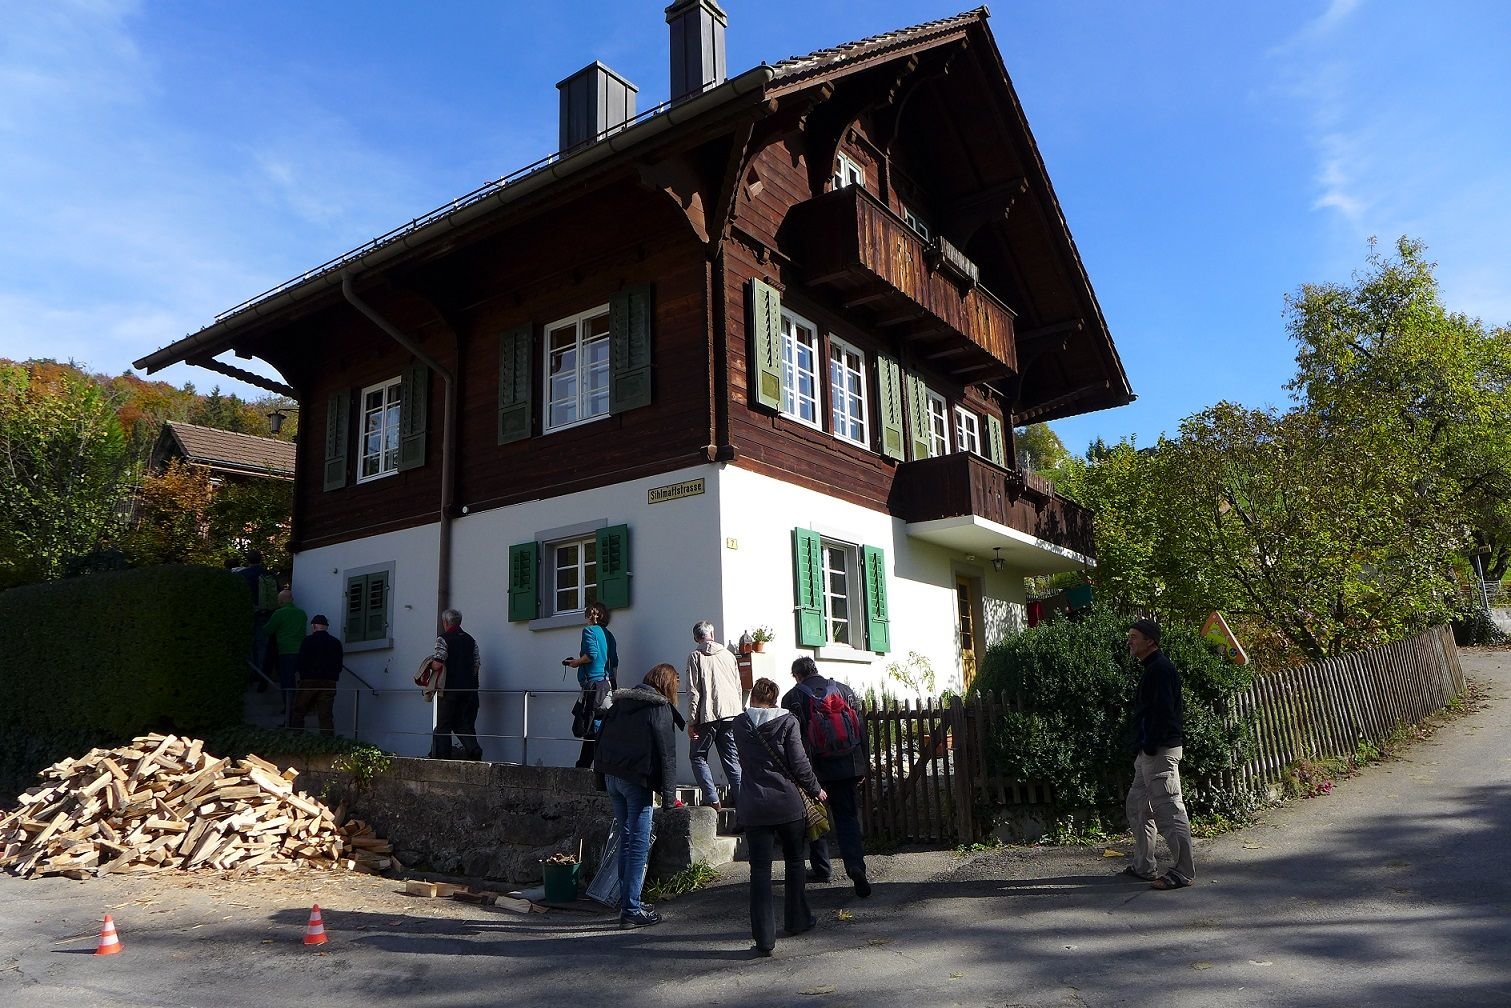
column 1076, row 681
column 99, row 659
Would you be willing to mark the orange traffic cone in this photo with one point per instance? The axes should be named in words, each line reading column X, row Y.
column 314, row 931
column 109, row 943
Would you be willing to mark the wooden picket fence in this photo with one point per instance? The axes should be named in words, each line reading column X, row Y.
column 932, row 781
column 1330, row 708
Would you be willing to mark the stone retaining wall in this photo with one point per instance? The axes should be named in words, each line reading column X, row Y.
column 497, row 821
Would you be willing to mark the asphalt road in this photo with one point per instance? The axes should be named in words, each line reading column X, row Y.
column 1392, row 890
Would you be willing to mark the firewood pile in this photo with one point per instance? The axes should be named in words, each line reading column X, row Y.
column 163, row 803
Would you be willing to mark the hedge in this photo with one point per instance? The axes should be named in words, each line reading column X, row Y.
column 96, row 660
column 1077, row 681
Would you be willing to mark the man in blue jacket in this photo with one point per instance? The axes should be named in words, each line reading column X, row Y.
column 1154, row 799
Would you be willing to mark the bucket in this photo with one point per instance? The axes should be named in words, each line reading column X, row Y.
column 561, row 881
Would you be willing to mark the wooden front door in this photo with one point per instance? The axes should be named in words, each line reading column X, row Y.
column 965, row 623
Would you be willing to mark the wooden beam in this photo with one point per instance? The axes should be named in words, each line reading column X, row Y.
column 1028, row 336
column 865, row 299
column 1028, row 416
column 243, row 375
column 902, row 319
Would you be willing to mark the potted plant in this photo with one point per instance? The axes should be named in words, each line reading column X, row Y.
column 761, row 636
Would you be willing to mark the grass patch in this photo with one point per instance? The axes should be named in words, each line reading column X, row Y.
column 690, row 879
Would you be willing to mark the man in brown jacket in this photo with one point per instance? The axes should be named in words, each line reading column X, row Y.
column 714, row 700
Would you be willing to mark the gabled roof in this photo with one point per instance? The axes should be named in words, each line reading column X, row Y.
column 825, row 61
column 227, row 451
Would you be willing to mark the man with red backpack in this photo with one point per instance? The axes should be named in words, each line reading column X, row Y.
column 834, row 737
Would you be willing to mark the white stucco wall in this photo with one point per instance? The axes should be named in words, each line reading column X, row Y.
column 724, row 555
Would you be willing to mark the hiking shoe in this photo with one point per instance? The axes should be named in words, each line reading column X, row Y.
column 646, row 918
column 862, row 886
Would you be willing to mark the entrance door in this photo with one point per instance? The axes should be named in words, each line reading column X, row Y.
column 965, row 609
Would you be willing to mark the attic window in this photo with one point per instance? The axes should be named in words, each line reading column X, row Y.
column 918, row 225
column 848, row 173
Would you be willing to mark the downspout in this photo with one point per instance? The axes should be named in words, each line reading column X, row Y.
column 448, row 438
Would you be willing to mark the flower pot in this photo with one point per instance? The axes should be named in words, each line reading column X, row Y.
column 759, row 645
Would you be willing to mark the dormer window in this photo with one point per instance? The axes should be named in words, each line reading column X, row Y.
column 848, row 173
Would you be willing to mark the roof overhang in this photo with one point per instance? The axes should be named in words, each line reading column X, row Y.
column 972, row 534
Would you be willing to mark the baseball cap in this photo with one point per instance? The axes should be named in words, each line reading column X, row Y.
column 320, row 620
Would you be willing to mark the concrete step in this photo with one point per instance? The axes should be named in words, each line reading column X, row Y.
column 263, row 710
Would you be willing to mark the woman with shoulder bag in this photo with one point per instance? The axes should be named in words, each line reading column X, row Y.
column 775, row 775
column 636, row 754
column 596, row 662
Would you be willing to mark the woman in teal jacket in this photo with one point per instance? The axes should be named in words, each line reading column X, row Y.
column 597, row 664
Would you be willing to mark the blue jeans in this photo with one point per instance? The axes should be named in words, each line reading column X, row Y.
column 723, row 733
column 633, row 814
column 844, row 815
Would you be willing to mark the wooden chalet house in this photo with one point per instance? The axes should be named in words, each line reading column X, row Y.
column 755, row 356
column 224, row 455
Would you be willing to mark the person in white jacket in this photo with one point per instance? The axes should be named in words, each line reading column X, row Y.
column 715, row 700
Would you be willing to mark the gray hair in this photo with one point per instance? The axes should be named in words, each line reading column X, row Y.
column 703, row 630
column 452, row 617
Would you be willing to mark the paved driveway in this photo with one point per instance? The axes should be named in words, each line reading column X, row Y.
column 1393, row 890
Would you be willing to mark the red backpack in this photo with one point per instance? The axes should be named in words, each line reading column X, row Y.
column 833, row 725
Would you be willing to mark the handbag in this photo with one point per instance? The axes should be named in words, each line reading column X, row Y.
column 431, row 678
column 815, row 812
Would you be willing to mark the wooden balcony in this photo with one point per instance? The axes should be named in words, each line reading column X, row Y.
column 891, row 278
column 968, row 504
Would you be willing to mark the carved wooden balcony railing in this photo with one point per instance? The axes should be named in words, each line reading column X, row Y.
column 955, row 486
column 881, row 269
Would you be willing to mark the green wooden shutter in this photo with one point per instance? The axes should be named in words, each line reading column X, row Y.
column 630, row 317
column 376, row 607
column 613, row 547
column 878, row 624
column 808, row 587
column 414, row 415
column 995, row 447
column 766, row 343
column 515, row 384
column 918, row 416
column 889, row 389
column 337, row 417
column 524, row 593
column 354, row 627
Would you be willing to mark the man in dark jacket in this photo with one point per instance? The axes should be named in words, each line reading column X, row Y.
column 839, row 773
column 456, row 707
column 1154, row 799
column 320, row 659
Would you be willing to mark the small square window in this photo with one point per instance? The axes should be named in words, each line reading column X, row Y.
column 847, row 172
column 917, row 224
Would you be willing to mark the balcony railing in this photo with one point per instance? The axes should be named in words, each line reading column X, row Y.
column 962, row 485
column 878, row 265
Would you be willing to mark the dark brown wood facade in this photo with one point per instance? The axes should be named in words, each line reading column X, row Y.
column 991, row 308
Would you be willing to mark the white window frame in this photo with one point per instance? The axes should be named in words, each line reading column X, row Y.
column 848, row 570
column 917, row 223
column 938, row 422
column 967, row 431
column 847, row 172
column 584, row 371
column 386, row 418
column 793, row 400
column 586, row 571
column 848, row 408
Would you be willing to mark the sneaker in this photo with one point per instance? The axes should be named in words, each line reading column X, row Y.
column 646, row 918
column 862, row 887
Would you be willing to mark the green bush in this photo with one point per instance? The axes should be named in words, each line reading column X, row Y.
column 96, row 660
column 1076, row 680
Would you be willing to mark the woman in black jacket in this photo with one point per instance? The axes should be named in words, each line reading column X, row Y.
column 773, row 766
column 637, row 757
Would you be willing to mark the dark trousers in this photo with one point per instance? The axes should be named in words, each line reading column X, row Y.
column 585, row 754
column 844, row 817
column 318, row 695
column 456, row 714
column 760, row 844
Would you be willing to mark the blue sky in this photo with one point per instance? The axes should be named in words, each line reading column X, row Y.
column 163, row 161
